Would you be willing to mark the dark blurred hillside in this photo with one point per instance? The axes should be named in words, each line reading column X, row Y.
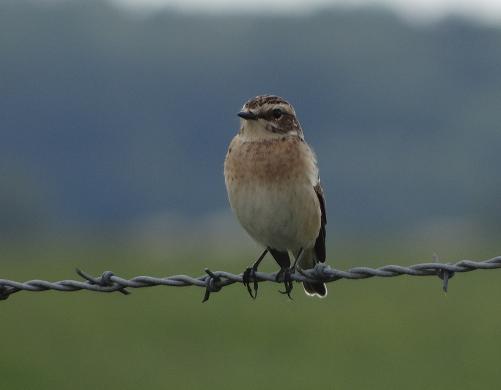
column 107, row 117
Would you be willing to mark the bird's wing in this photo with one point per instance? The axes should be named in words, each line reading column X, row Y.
column 320, row 242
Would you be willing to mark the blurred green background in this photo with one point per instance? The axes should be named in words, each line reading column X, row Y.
column 113, row 128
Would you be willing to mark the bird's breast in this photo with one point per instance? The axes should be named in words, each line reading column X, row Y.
column 270, row 188
column 270, row 161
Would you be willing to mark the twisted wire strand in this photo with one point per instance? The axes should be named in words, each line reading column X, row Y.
column 214, row 281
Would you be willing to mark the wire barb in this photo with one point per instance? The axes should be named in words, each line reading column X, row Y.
column 103, row 280
column 443, row 274
column 215, row 281
column 213, row 284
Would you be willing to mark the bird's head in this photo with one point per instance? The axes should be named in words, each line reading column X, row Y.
column 269, row 116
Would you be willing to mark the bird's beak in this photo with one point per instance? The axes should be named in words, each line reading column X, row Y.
column 247, row 115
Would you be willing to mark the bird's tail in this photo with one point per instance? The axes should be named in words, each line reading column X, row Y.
column 312, row 289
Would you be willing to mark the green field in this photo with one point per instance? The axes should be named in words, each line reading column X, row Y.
column 399, row 333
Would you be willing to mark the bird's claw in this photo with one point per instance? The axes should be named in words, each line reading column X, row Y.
column 249, row 276
column 284, row 275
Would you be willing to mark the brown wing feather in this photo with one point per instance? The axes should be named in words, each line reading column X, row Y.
column 320, row 242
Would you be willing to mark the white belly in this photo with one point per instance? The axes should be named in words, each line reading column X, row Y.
column 283, row 217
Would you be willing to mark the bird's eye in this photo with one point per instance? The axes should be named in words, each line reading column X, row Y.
column 277, row 113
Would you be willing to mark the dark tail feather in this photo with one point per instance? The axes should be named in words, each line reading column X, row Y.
column 315, row 289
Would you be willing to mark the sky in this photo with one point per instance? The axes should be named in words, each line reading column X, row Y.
column 488, row 11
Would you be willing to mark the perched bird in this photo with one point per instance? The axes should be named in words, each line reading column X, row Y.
column 273, row 186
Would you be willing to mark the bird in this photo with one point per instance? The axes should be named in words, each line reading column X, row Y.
column 273, row 186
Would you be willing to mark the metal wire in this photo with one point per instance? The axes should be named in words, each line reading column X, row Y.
column 215, row 281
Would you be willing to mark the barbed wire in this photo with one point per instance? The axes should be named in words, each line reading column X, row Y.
column 108, row 282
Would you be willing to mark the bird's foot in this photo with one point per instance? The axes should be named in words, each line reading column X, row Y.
column 249, row 276
column 284, row 275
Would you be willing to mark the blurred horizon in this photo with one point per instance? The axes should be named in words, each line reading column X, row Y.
column 414, row 11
